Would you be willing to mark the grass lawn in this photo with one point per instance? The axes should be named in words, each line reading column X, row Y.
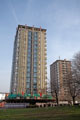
column 56, row 113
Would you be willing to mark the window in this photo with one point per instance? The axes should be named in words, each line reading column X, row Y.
column 29, row 46
column 29, row 50
column 28, row 59
column 35, row 51
column 35, row 55
column 35, row 80
column 35, row 64
column 35, row 86
column 29, row 55
column 35, row 60
column 28, row 64
column 35, row 38
column 28, row 91
column 34, row 91
column 35, row 69
column 28, row 85
column 35, row 46
column 35, row 34
column 29, row 33
column 35, row 74
column 28, row 69
column 28, row 79
column 28, row 74
column 35, row 42
column 29, row 41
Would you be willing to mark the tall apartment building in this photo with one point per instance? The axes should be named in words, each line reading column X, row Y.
column 29, row 70
column 58, row 73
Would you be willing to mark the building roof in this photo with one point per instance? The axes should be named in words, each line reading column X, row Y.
column 61, row 61
column 29, row 27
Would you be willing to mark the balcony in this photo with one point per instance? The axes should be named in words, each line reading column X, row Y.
column 45, row 58
column 45, row 49
column 45, row 53
column 45, row 67
column 45, row 45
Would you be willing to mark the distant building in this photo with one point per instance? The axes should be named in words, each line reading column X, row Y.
column 29, row 70
column 58, row 74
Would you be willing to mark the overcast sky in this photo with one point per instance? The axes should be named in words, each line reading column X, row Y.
column 61, row 18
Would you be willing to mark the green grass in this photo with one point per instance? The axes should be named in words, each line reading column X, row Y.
column 56, row 113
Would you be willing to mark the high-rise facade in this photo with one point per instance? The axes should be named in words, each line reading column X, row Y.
column 59, row 72
column 29, row 68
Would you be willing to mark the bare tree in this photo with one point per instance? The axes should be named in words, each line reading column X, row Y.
column 74, row 77
column 76, row 66
column 74, row 87
column 55, row 91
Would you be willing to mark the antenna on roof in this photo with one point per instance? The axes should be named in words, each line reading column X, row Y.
column 40, row 27
column 59, row 57
column 25, row 25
